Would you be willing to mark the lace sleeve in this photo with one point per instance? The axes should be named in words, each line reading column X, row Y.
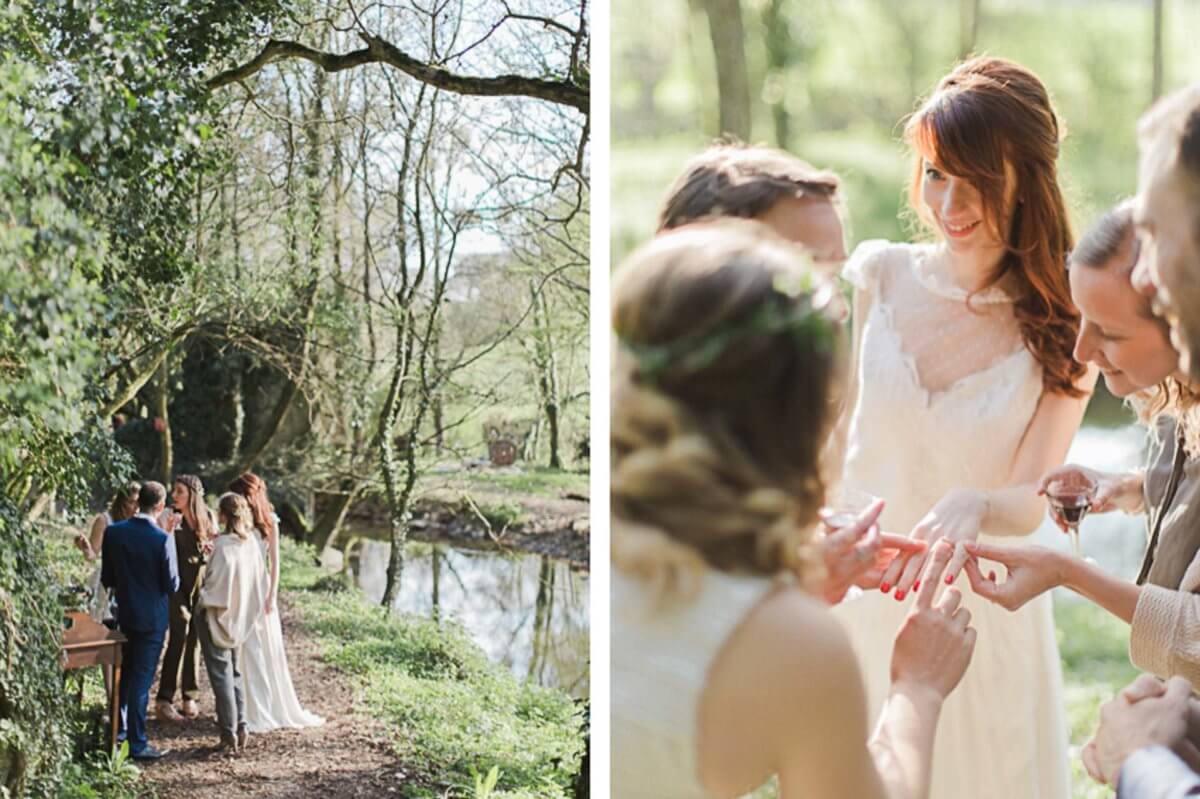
column 862, row 270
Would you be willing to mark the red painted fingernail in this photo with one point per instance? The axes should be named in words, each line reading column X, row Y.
column 885, row 587
column 949, row 579
column 900, row 595
column 992, row 576
column 917, row 585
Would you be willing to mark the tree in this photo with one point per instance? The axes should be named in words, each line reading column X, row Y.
column 728, row 37
column 968, row 26
column 780, row 48
column 569, row 89
column 1156, row 53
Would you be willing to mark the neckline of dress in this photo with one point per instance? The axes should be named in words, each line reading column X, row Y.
column 930, row 397
column 930, row 271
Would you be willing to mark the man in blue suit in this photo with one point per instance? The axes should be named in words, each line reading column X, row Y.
column 139, row 567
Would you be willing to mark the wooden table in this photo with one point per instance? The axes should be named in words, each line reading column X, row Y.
column 87, row 643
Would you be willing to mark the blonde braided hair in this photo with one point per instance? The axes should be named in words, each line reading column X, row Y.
column 236, row 510
column 715, row 461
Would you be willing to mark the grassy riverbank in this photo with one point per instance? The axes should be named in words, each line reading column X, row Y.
column 452, row 714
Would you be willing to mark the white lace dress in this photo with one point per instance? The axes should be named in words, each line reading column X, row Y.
column 271, row 701
column 660, row 661
column 945, row 396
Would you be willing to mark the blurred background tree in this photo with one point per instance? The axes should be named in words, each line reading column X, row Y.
column 831, row 81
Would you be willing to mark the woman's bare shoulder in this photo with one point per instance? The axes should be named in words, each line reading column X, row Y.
column 785, row 687
column 800, row 631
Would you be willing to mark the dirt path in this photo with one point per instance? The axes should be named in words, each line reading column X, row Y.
column 347, row 757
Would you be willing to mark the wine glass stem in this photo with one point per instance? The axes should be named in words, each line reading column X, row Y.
column 1075, row 540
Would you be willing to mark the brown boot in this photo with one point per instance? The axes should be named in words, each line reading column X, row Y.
column 190, row 709
column 227, row 746
column 243, row 738
column 165, row 711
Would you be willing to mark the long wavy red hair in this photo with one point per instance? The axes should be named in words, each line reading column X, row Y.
column 254, row 489
column 986, row 114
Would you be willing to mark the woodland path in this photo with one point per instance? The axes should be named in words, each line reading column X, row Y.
column 349, row 756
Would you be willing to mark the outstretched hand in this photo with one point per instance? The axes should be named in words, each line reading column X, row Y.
column 859, row 553
column 1032, row 570
column 956, row 518
column 935, row 643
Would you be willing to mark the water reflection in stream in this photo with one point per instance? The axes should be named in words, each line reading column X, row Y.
column 526, row 611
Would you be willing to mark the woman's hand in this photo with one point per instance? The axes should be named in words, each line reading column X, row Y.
column 859, row 553
column 956, row 518
column 935, row 642
column 1032, row 570
column 1121, row 492
column 84, row 546
column 269, row 605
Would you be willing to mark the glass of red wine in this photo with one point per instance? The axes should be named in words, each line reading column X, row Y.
column 1070, row 500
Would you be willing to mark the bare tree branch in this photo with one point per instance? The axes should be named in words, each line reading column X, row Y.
column 379, row 51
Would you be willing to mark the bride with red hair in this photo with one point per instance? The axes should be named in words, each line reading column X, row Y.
column 271, row 701
column 964, row 393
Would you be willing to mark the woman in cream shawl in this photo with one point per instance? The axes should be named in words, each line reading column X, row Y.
column 231, row 600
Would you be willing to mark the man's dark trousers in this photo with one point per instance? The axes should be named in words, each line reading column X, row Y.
column 139, row 660
column 138, row 564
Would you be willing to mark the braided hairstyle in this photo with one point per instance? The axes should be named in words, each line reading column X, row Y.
column 235, row 511
column 718, row 418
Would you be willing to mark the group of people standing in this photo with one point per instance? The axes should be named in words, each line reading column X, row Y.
column 938, row 405
column 207, row 584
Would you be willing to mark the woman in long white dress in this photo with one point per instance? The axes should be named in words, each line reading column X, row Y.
column 271, row 701
column 725, row 668
column 964, row 394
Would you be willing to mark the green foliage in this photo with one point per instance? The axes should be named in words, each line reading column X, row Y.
column 1094, row 646
column 33, row 708
column 485, row 786
column 129, row 84
column 102, row 776
column 857, row 69
column 498, row 515
column 540, row 480
column 454, row 714
column 46, row 352
column 299, row 569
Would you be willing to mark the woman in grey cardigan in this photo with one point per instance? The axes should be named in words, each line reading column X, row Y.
column 230, row 604
column 1135, row 355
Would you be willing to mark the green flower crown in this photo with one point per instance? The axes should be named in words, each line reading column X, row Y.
column 815, row 318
